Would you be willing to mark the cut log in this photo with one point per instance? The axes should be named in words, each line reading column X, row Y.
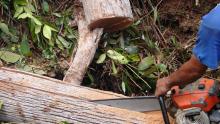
column 52, row 85
column 31, row 98
column 86, row 48
column 112, row 15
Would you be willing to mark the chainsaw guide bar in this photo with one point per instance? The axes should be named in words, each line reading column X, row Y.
column 140, row 104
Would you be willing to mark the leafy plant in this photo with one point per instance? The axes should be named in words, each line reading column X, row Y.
column 35, row 31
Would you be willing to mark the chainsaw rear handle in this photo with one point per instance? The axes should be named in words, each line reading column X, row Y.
column 164, row 110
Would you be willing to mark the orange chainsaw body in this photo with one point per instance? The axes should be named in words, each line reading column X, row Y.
column 203, row 93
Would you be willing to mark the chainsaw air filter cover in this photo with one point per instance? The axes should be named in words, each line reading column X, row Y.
column 204, row 94
column 192, row 116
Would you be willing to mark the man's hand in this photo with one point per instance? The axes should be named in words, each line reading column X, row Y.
column 163, row 85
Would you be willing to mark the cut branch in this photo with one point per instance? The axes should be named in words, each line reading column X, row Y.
column 87, row 45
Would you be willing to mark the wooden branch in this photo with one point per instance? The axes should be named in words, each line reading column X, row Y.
column 31, row 98
column 112, row 15
column 87, row 45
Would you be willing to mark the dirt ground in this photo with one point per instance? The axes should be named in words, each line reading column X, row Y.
column 182, row 17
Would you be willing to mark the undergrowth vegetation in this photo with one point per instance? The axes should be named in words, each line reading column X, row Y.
column 36, row 36
column 35, row 32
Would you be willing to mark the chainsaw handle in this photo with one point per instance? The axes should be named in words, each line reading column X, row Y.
column 164, row 110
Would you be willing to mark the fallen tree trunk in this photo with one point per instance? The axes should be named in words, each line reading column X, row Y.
column 52, row 85
column 38, row 99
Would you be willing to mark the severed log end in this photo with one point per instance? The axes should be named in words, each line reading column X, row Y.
column 109, row 24
column 111, row 15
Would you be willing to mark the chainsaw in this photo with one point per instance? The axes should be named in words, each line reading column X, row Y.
column 196, row 103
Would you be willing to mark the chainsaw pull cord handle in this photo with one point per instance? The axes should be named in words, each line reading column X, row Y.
column 164, row 110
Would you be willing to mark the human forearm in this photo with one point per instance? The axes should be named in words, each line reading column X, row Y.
column 187, row 73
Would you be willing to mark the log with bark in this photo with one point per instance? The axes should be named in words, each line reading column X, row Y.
column 31, row 98
column 96, row 16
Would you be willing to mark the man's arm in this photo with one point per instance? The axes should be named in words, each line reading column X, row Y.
column 187, row 73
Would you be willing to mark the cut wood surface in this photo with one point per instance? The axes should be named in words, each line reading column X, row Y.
column 86, row 48
column 112, row 15
column 32, row 98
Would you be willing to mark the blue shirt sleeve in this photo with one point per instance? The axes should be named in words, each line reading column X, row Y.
column 207, row 47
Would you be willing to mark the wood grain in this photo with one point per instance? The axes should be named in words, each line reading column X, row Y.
column 32, row 98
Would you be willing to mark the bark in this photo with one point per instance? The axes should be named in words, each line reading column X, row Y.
column 112, row 15
column 87, row 45
column 31, row 98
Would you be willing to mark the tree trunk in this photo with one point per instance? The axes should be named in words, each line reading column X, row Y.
column 112, row 15
column 31, row 98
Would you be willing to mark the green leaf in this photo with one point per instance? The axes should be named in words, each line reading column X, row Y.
column 155, row 14
column 134, row 57
column 37, row 29
column 28, row 15
column 117, row 57
column 57, row 14
column 28, row 10
column 65, row 43
column 9, row 57
column 21, row 2
column 1, row 104
column 90, row 77
column 59, row 44
column 146, row 63
column 162, row 68
column 149, row 71
column 4, row 28
column 18, row 11
column 123, row 86
column 31, row 7
column 37, row 22
column 45, row 6
column 114, row 69
column 101, row 58
column 23, row 16
column 32, row 69
column 25, row 48
column 47, row 32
